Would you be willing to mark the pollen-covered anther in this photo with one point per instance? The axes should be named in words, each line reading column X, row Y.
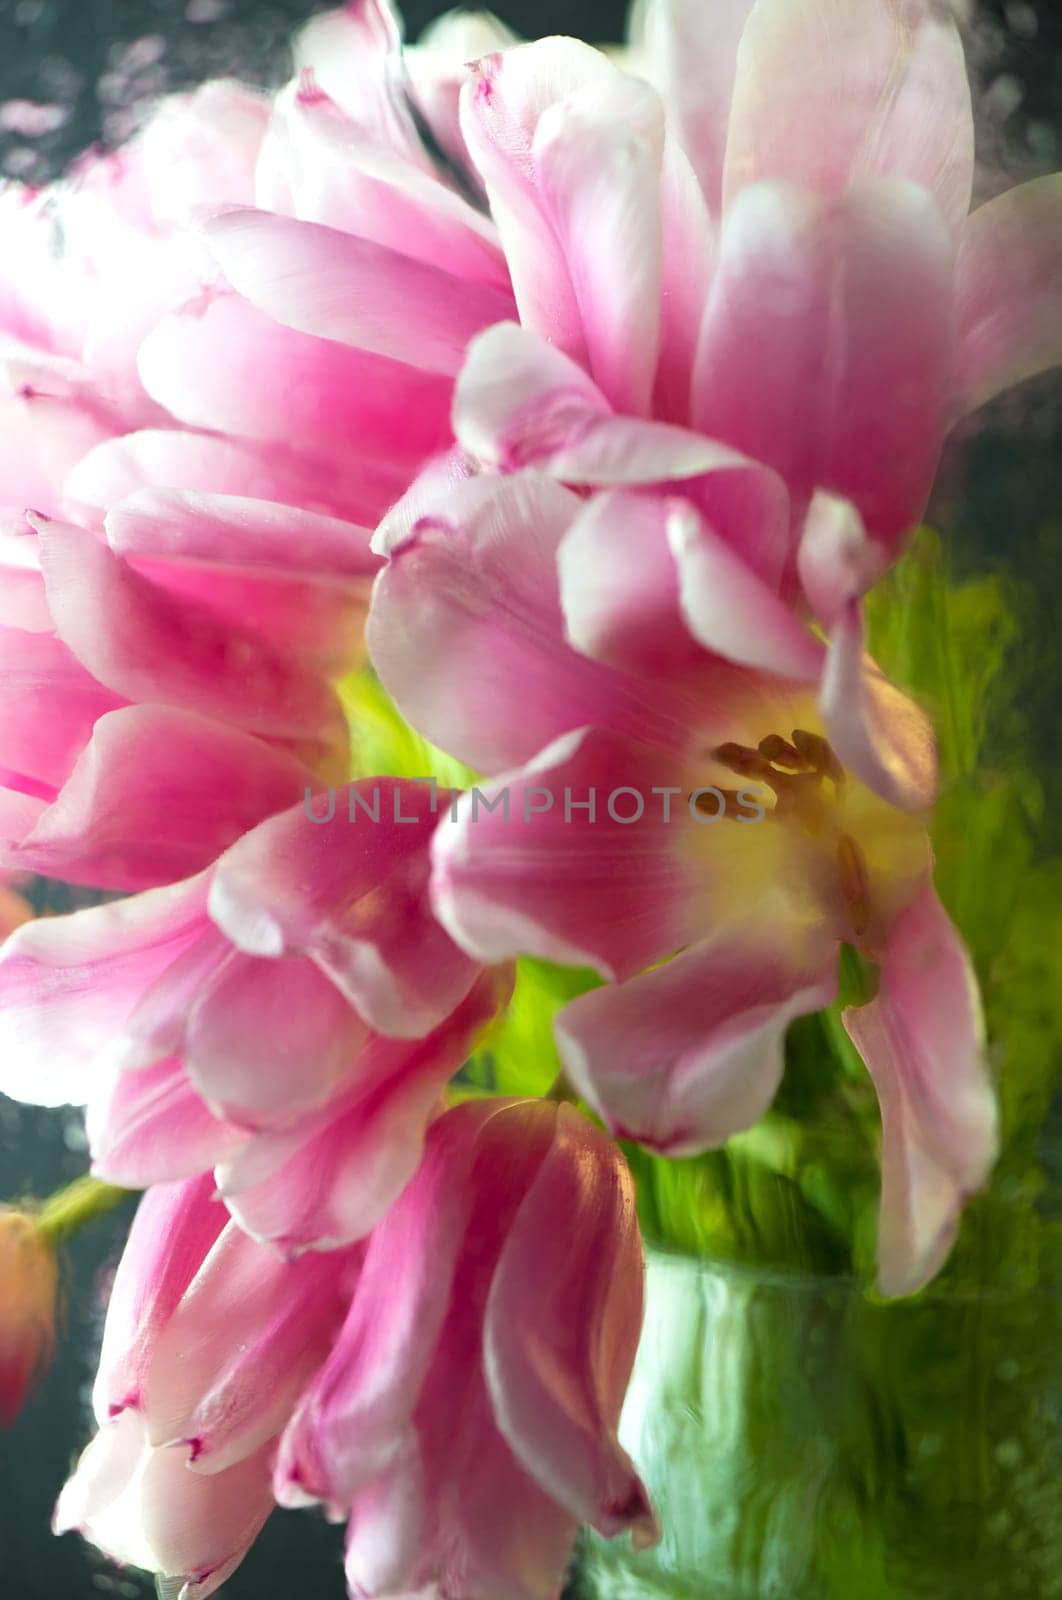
column 745, row 761
column 855, row 882
column 780, row 753
column 818, row 753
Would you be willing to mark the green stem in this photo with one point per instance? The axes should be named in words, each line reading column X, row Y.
column 80, row 1203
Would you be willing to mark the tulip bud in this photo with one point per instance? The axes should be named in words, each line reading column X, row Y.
column 14, row 911
column 466, row 1417
column 29, row 1278
column 210, row 1338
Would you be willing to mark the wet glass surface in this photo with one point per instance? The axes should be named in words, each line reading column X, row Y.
column 73, row 71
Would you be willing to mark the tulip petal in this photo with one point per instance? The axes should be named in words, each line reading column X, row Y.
column 500, row 1536
column 352, row 893
column 502, row 104
column 474, row 590
column 425, row 496
column 385, row 1531
column 732, row 612
column 520, row 403
column 200, row 149
column 149, row 644
column 355, row 1420
column 19, row 815
column 42, row 438
column 49, row 705
column 444, row 48
column 330, row 1179
column 204, row 463
column 438, row 66
column 298, row 579
column 619, row 585
column 153, row 1128
column 229, row 530
column 156, row 795
column 684, row 1056
column 624, row 593
column 535, row 864
column 69, row 984
column 157, row 1024
column 214, row 365
column 400, row 1425
column 828, row 345
column 544, row 1313
column 836, row 562
column 268, row 1040
column 143, row 1507
column 692, row 58
column 353, row 53
column 689, row 255
column 332, row 285
column 922, row 1039
column 1010, row 290
column 597, row 163
column 335, row 173
column 830, row 91
column 520, row 400
column 174, row 1228
column 247, row 1334
column 23, row 602
column 880, row 734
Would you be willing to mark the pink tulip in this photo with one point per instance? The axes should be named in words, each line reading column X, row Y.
column 208, row 1342
column 355, row 56
column 466, row 1418
column 168, row 686
column 289, row 1018
column 820, row 303
column 90, row 265
column 103, row 252
column 346, row 191
column 343, row 150
column 167, row 691
column 782, row 267
column 341, row 432
column 815, row 777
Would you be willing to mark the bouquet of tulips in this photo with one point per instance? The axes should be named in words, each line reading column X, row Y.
column 443, row 504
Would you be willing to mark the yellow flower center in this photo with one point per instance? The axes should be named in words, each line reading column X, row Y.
column 825, row 850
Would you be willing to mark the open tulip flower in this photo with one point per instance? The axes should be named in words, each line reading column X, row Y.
column 686, row 804
column 766, row 246
column 555, row 413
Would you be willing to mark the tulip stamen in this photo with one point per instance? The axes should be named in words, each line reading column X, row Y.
column 793, row 768
column 780, row 753
column 745, row 761
column 855, row 882
column 818, row 753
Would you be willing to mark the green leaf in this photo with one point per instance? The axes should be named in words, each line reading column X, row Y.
column 384, row 745
column 519, row 1057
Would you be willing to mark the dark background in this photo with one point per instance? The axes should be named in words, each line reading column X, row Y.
column 94, row 63
column 95, row 66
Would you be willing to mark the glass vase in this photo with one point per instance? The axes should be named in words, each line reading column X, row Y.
column 805, row 1442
